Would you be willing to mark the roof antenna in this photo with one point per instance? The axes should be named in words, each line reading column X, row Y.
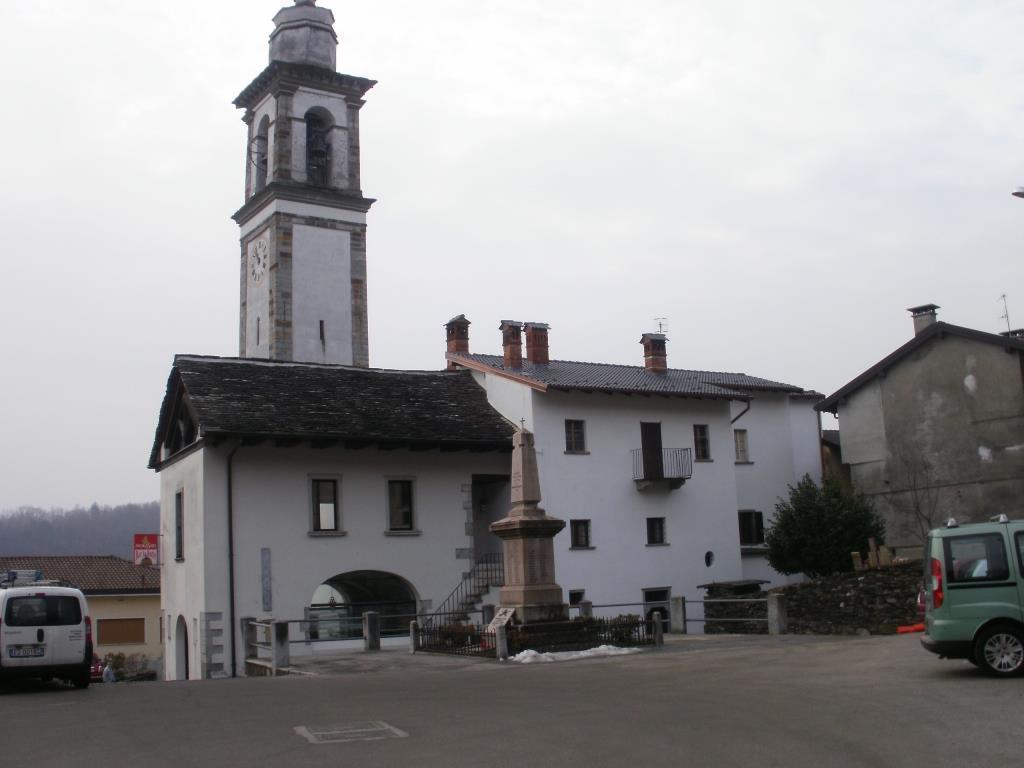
column 1006, row 312
column 662, row 322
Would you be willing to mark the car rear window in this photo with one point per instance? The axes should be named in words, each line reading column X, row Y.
column 43, row 611
column 977, row 557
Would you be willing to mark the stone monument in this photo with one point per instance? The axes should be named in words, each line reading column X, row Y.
column 526, row 536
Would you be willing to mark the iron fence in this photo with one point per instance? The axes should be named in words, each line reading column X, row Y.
column 457, row 639
column 581, row 634
column 663, row 464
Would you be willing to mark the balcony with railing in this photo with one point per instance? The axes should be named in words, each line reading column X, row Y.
column 661, row 467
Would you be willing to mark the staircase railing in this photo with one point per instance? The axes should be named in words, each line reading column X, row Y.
column 488, row 571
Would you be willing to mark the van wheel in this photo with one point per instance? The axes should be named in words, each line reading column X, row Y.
column 82, row 681
column 999, row 651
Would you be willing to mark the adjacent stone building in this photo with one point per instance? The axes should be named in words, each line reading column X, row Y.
column 936, row 429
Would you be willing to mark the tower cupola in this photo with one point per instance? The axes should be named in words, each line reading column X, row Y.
column 304, row 34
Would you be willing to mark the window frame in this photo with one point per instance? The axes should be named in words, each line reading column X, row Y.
column 577, row 527
column 756, row 517
column 572, row 445
column 311, row 485
column 741, row 442
column 136, row 622
column 179, row 525
column 702, row 442
column 954, row 579
column 412, row 530
column 659, row 527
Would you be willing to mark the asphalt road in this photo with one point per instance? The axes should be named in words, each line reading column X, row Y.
column 787, row 701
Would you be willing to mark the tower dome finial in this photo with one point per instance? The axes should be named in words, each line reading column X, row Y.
column 304, row 34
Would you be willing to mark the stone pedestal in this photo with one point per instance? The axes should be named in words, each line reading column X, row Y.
column 526, row 536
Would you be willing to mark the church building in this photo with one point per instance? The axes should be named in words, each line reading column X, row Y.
column 295, row 475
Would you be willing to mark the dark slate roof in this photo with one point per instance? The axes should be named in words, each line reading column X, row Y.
column 633, row 379
column 232, row 397
column 93, row 574
column 936, row 330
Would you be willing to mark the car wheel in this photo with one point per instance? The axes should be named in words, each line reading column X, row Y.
column 999, row 651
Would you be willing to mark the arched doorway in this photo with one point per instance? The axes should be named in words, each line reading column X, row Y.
column 181, row 649
column 341, row 599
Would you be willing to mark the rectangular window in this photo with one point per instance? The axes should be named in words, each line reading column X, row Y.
column 575, row 596
column 655, row 530
column 325, row 505
column 43, row 611
column 179, row 525
column 120, row 631
column 575, row 436
column 400, row 512
column 751, row 528
column 579, row 532
column 701, row 442
column 977, row 557
column 742, row 451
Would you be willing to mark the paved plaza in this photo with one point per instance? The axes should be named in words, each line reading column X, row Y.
column 699, row 701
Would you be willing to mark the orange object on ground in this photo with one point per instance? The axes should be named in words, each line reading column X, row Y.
column 911, row 628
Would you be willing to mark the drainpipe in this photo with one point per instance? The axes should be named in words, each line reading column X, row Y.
column 740, row 414
column 231, row 558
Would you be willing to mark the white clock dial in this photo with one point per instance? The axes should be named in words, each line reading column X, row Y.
column 259, row 256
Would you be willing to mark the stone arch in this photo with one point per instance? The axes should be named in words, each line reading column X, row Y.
column 319, row 123
column 353, row 593
column 181, row 671
column 260, row 153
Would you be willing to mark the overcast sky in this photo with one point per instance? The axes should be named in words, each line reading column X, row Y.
column 780, row 180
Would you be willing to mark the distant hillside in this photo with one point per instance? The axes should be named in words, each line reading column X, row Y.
column 94, row 530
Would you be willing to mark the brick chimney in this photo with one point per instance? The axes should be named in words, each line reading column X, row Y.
column 923, row 316
column 512, row 343
column 537, row 343
column 457, row 333
column 654, row 352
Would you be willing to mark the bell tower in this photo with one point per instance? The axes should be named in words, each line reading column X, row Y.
column 303, row 223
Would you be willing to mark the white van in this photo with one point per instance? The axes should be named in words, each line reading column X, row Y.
column 45, row 631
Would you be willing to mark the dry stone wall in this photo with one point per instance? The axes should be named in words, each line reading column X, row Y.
column 874, row 601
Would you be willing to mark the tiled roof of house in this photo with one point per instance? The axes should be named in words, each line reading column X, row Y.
column 257, row 398
column 93, row 574
column 936, row 330
column 633, row 379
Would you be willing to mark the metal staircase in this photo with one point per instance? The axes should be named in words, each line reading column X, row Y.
column 488, row 571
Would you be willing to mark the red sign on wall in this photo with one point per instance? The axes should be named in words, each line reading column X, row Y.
column 145, row 549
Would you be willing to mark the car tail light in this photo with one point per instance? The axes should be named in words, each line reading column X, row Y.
column 88, row 629
column 936, row 583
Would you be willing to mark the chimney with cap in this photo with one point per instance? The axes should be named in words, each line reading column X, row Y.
column 655, row 358
column 924, row 316
column 457, row 333
column 512, row 343
column 537, row 343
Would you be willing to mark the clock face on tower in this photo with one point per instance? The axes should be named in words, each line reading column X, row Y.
column 259, row 256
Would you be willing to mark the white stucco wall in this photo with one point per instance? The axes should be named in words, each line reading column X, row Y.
column 321, row 290
column 258, row 327
column 272, row 509
column 182, row 583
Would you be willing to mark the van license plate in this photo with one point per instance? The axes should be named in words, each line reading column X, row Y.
column 25, row 651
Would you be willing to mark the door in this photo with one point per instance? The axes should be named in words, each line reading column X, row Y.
column 650, row 447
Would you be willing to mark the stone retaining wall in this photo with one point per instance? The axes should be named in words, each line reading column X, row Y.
column 874, row 601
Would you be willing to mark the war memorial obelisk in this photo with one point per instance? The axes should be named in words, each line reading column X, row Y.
column 526, row 536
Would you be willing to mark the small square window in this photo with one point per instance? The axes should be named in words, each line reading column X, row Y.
column 400, row 511
column 751, row 528
column 325, row 505
column 575, row 596
column 701, row 442
column 655, row 530
column 742, row 451
column 579, row 532
column 575, row 436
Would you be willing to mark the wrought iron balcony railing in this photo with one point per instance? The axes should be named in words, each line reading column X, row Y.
column 673, row 465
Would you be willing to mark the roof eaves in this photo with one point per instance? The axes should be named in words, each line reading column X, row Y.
column 521, row 378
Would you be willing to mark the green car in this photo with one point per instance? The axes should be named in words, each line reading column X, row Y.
column 974, row 585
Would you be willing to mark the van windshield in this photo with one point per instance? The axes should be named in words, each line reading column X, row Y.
column 43, row 611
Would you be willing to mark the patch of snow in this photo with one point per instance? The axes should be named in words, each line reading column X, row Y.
column 1015, row 448
column 533, row 657
column 970, row 384
column 985, row 454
